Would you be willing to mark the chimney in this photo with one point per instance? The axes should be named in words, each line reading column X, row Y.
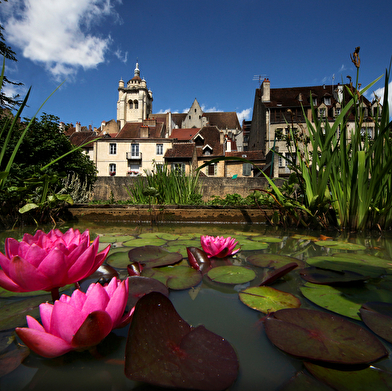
column 78, row 127
column 266, row 90
column 228, row 145
column 103, row 123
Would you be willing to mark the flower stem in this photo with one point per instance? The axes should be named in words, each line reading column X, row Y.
column 55, row 294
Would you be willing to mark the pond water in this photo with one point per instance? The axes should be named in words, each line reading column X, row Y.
column 216, row 306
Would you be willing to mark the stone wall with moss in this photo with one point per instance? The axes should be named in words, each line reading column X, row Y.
column 107, row 188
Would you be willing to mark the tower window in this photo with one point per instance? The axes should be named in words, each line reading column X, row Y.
column 136, row 104
column 130, row 104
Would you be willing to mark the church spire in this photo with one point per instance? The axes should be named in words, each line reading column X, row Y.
column 137, row 71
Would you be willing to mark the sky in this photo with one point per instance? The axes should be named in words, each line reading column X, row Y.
column 213, row 50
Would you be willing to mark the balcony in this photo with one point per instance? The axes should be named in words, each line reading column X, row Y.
column 131, row 156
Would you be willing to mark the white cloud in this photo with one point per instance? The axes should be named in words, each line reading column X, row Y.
column 380, row 93
column 121, row 56
column 58, row 33
column 244, row 115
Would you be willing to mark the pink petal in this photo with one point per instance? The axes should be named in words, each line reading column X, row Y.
column 27, row 276
column 7, row 283
column 66, row 320
column 53, row 266
column 34, row 255
column 112, row 286
column 45, row 310
column 96, row 299
column 4, row 262
column 11, row 247
column 46, row 345
column 82, row 266
column 118, row 302
column 34, row 324
column 78, row 299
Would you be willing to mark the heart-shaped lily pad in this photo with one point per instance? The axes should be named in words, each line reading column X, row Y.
column 231, row 274
column 344, row 300
column 361, row 380
column 272, row 260
column 322, row 337
column 118, row 259
column 175, row 277
column 153, row 256
column 316, row 275
column 267, row 299
column 340, row 245
column 247, row 245
column 162, row 349
column 378, row 317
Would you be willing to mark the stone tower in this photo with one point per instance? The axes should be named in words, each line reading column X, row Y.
column 134, row 100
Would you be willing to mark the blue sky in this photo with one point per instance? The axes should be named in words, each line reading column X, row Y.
column 209, row 50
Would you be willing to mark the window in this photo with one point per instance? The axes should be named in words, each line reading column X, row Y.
column 246, row 169
column 179, row 167
column 314, row 101
column 159, row 149
column 130, row 104
column 212, row 169
column 112, row 169
column 327, row 100
column 322, row 112
column 136, row 104
column 112, row 149
column 281, row 161
column 337, row 111
column 135, row 149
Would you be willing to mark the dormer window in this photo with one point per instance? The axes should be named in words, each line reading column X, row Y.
column 327, row 100
column 314, row 100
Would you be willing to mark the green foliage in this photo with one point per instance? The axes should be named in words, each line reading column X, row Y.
column 165, row 186
column 232, row 200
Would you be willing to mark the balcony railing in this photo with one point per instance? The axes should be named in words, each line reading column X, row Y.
column 131, row 156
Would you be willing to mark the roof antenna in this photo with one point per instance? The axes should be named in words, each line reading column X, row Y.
column 259, row 78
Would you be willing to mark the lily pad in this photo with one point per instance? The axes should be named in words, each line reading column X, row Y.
column 385, row 264
column 198, row 259
column 344, row 300
column 322, row 337
column 175, row 248
column 303, row 382
column 340, row 262
column 175, row 277
column 247, row 245
column 10, row 360
column 144, row 242
column 118, row 260
column 153, row 256
column 316, row 275
column 362, row 380
column 378, row 317
column 272, row 260
column 267, row 299
column 163, row 350
column 167, row 236
column 267, row 239
column 340, row 245
column 14, row 314
column 231, row 274
column 140, row 286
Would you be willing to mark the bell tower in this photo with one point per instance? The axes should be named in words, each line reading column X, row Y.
column 134, row 100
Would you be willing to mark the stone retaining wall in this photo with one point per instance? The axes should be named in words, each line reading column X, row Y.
column 107, row 188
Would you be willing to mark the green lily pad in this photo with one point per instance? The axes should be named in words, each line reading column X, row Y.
column 118, row 260
column 247, row 245
column 150, row 235
column 362, row 380
column 231, row 274
column 177, row 248
column 153, row 256
column 341, row 262
column 107, row 239
column 144, row 242
column 272, row 260
column 175, row 277
column 378, row 317
column 266, row 299
column 14, row 314
column 340, row 245
column 167, row 236
column 383, row 263
column 344, row 300
column 305, row 237
column 303, row 382
column 316, row 275
column 322, row 337
column 267, row 239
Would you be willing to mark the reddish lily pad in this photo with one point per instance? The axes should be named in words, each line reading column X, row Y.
column 10, row 360
column 163, row 350
column 175, row 277
column 322, row 337
column 140, row 286
column 317, row 275
column 362, row 380
column 153, row 256
column 231, row 274
column 272, row 260
column 378, row 317
column 198, row 259
column 267, row 299
column 303, row 382
column 274, row 275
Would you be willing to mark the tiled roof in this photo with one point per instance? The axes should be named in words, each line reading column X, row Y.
column 211, row 136
column 181, row 150
column 131, row 130
column 223, row 120
column 184, row 134
column 79, row 138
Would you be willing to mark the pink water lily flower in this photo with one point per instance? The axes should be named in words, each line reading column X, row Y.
column 48, row 261
column 77, row 322
column 218, row 246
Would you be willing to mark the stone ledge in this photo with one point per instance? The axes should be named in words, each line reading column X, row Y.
column 171, row 214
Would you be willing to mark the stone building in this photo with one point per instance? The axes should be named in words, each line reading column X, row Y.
column 276, row 110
